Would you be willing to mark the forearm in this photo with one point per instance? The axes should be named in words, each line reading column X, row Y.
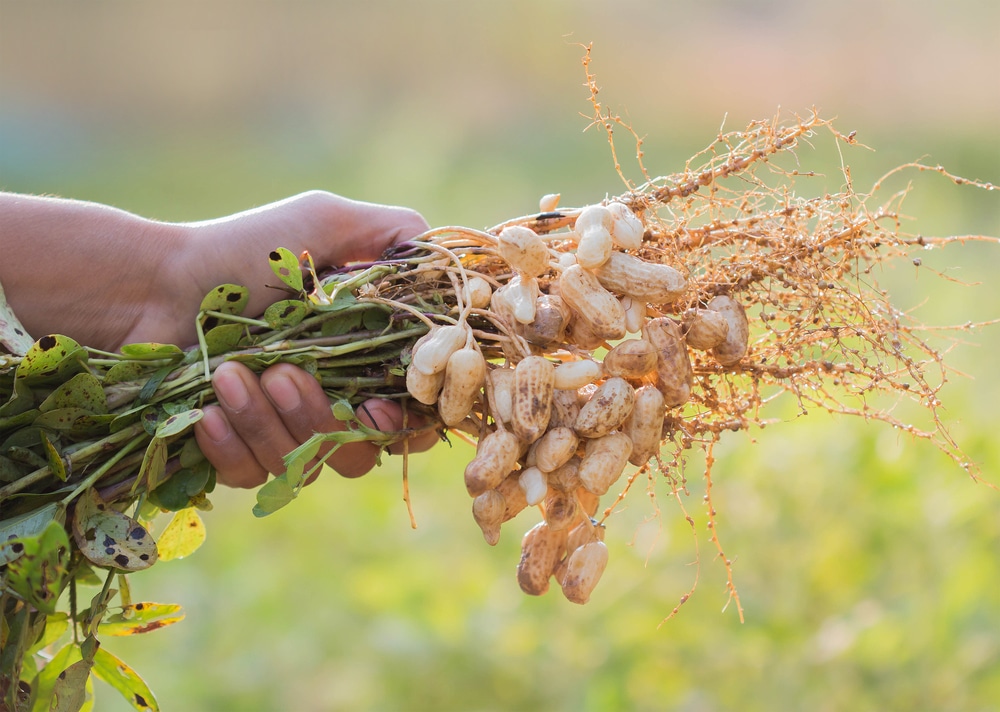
column 63, row 269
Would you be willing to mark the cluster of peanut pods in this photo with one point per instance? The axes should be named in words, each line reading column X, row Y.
column 558, row 426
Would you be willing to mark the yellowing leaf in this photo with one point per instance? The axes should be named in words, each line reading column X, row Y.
column 286, row 267
column 183, row 535
column 112, row 670
column 139, row 618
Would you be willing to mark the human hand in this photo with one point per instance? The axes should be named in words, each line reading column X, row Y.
column 113, row 278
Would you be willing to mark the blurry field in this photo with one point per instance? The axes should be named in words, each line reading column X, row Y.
column 867, row 564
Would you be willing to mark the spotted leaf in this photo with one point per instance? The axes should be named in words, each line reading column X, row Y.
column 286, row 267
column 37, row 575
column 183, row 535
column 140, row 618
column 109, row 538
column 112, row 670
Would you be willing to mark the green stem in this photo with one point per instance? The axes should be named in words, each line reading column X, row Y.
column 100, row 471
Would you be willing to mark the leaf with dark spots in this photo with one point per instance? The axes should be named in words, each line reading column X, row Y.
column 285, row 314
column 286, row 267
column 110, row 669
column 83, row 390
column 152, row 351
column 39, row 573
column 178, row 423
column 227, row 299
column 182, row 536
column 140, row 618
column 107, row 537
column 54, row 356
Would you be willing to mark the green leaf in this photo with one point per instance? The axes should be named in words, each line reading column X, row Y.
column 37, row 575
column 286, row 267
column 183, row 487
column 177, row 424
column 124, row 371
column 182, row 536
column 342, row 324
column 112, row 670
column 69, row 691
column 30, row 524
column 56, row 463
column 55, row 626
column 343, row 411
column 109, row 538
column 286, row 313
column 272, row 496
column 140, row 618
column 83, row 390
column 75, row 421
column 223, row 338
column 153, row 467
column 44, row 684
column 152, row 351
column 226, row 298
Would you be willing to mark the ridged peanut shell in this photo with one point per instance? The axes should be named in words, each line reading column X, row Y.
column 532, row 398
column 674, row 376
column 561, row 509
column 583, row 570
column 604, row 461
column 644, row 426
column 566, row 406
column 549, row 324
column 599, row 308
column 464, row 377
column 606, row 410
column 648, row 282
column 731, row 350
column 632, row 358
column 513, row 495
column 704, row 329
column 496, row 456
column 541, row 550
column 523, row 250
column 424, row 387
column 488, row 510
column 555, row 448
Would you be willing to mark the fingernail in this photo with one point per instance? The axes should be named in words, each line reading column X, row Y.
column 215, row 425
column 230, row 390
column 283, row 393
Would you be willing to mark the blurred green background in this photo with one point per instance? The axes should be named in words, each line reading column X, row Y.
column 867, row 564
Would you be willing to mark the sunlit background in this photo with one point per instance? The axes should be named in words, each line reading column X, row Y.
column 867, row 564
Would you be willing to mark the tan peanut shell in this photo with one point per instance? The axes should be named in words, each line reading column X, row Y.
column 576, row 374
column 549, row 324
column 513, row 495
column 561, row 509
column 502, row 388
column 523, row 250
column 548, row 202
column 442, row 341
column 644, row 426
column 488, row 510
column 606, row 410
column 565, row 408
column 674, row 376
column 589, row 502
column 604, row 461
column 583, row 570
column 464, row 377
column 632, row 358
column 599, row 308
column 555, row 448
column 626, row 227
column 496, row 456
column 425, row 388
column 648, row 282
column 532, row 401
column 580, row 334
column 541, row 550
column 704, row 329
column 734, row 347
column 566, row 477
